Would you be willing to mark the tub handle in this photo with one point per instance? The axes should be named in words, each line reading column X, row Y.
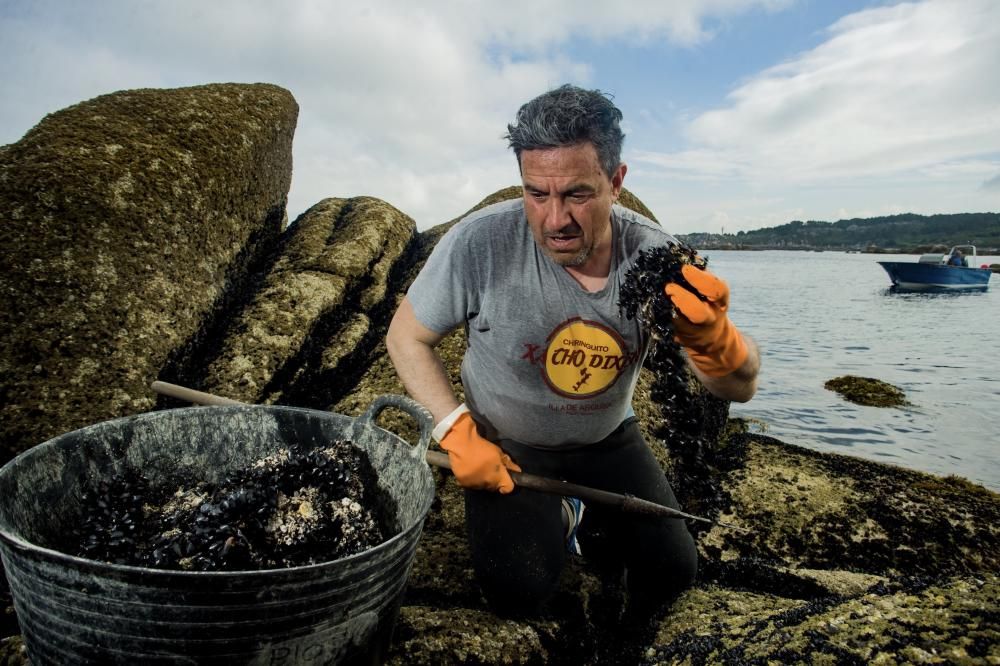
column 419, row 413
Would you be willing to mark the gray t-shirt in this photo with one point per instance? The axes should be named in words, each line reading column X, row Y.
column 548, row 364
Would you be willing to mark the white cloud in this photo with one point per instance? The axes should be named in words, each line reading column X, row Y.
column 531, row 25
column 893, row 89
column 404, row 101
column 696, row 164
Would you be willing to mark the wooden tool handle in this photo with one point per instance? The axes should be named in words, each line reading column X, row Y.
column 523, row 479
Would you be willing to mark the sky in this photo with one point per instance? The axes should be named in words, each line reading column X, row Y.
column 738, row 114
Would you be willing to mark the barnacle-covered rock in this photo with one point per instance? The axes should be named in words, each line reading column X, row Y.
column 306, row 334
column 128, row 224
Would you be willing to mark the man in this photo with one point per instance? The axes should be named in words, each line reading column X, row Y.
column 552, row 363
column 958, row 259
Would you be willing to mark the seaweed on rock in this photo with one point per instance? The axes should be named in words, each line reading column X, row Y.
column 867, row 391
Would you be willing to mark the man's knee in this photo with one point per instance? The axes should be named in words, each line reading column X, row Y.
column 681, row 574
column 520, row 595
column 650, row 593
column 670, row 575
column 517, row 549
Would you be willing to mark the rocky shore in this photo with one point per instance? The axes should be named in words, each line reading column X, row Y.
column 144, row 237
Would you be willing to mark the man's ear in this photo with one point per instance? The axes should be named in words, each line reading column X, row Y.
column 617, row 178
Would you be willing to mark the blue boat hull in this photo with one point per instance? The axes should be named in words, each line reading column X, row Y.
column 918, row 277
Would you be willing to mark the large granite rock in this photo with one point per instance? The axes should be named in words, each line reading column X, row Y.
column 846, row 561
column 306, row 334
column 128, row 223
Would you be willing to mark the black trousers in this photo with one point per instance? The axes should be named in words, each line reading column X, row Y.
column 518, row 540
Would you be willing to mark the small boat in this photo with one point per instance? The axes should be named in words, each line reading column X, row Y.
column 934, row 272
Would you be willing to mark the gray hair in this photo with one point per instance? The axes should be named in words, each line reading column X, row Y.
column 569, row 116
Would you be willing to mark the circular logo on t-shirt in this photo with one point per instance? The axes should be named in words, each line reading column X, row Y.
column 583, row 358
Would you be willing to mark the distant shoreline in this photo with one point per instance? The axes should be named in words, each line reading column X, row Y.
column 907, row 233
column 983, row 251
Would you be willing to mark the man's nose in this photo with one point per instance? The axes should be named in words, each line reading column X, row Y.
column 556, row 214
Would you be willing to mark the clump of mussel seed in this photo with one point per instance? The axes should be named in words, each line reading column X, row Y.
column 288, row 509
column 690, row 419
column 642, row 295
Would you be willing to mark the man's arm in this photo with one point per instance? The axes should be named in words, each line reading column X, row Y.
column 411, row 348
column 739, row 385
column 476, row 462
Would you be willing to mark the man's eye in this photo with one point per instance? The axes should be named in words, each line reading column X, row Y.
column 579, row 198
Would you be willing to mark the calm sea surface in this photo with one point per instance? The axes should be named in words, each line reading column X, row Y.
column 819, row 315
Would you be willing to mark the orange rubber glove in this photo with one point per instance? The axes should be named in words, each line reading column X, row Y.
column 702, row 327
column 476, row 462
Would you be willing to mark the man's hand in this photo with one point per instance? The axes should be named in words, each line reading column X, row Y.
column 702, row 327
column 476, row 462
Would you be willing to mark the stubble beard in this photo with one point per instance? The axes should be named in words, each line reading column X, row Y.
column 572, row 261
column 581, row 257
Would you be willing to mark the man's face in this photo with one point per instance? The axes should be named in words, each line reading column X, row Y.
column 567, row 199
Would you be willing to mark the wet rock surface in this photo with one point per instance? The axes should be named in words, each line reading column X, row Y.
column 289, row 509
column 848, row 561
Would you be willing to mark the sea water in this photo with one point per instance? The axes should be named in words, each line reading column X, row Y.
column 820, row 315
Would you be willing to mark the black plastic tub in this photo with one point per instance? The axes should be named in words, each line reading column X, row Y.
column 74, row 610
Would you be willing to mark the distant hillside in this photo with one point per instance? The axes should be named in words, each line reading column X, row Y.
column 903, row 233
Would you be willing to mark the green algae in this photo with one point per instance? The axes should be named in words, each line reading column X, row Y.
column 867, row 391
